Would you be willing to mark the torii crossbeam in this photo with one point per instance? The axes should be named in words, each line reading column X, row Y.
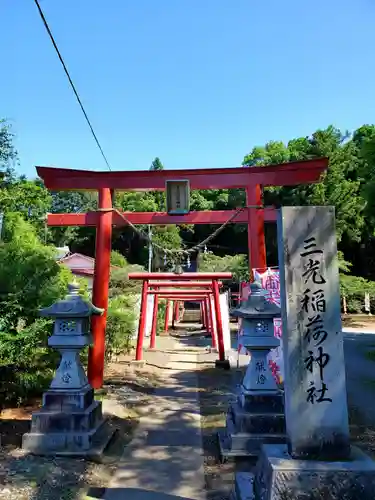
column 105, row 183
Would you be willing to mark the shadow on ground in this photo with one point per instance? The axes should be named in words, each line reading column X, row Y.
column 24, row 476
column 27, row 477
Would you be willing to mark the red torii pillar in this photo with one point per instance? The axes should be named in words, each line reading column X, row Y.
column 154, row 322
column 95, row 369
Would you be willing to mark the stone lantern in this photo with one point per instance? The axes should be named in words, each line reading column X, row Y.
column 70, row 421
column 257, row 416
column 257, row 316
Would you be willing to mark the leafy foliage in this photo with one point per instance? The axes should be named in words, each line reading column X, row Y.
column 236, row 264
column 7, row 150
column 117, row 259
column 123, row 308
column 30, row 280
column 121, row 323
column 29, row 275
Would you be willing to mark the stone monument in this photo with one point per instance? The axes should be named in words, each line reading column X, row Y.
column 70, row 421
column 258, row 414
column 318, row 461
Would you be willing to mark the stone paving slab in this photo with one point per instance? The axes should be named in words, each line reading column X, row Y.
column 165, row 460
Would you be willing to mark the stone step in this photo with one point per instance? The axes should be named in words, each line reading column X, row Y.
column 243, row 486
column 255, row 403
column 243, row 444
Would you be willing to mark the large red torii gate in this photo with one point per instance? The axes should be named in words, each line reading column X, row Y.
column 105, row 183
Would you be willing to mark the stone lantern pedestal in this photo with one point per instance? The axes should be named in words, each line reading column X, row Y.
column 70, row 421
column 257, row 416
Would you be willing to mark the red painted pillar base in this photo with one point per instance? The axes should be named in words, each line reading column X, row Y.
column 175, row 314
column 219, row 321
column 201, row 305
column 95, row 368
column 154, row 322
column 166, row 317
column 210, row 315
column 142, row 322
column 206, row 318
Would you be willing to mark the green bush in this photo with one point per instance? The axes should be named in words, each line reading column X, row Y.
column 26, row 363
column 117, row 259
column 236, row 264
column 121, row 321
column 161, row 316
column 122, row 312
column 30, row 280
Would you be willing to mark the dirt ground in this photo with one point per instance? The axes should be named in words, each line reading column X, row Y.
column 358, row 321
column 126, row 393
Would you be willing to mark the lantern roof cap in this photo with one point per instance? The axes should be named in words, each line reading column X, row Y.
column 72, row 306
column 257, row 306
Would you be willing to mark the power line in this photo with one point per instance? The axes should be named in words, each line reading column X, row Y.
column 71, row 82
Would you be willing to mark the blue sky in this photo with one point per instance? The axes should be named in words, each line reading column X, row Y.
column 196, row 82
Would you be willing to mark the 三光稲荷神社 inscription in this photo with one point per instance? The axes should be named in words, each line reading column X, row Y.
column 313, row 306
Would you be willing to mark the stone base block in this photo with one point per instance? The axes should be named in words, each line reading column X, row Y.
column 47, row 421
column 279, row 477
column 247, row 430
column 85, row 444
column 262, row 403
column 66, row 402
column 241, row 445
column 257, row 422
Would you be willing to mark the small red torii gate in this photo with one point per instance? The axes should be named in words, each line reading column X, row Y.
column 202, row 285
column 105, row 183
column 183, row 289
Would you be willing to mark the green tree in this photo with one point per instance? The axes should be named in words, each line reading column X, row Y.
column 156, row 164
column 30, row 280
column 29, row 274
column 236, row 264
column 337, row 187
column 7, row 150
column 117, row 259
